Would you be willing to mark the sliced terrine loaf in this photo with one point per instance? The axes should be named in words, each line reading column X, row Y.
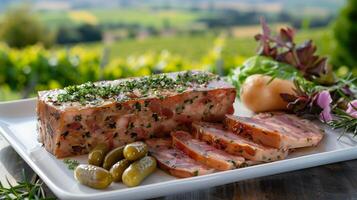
column 71, row 121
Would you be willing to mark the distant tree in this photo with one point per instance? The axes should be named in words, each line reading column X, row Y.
column 132, row 33
column 77, row 34
column 20, row 27
column 345, row 32
column 67, row 35
column 90, row 33
column 153, row 31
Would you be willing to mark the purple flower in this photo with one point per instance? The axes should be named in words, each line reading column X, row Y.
column 352, row 108
column 323, row 101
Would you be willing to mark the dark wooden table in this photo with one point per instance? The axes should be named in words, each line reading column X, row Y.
column 335, row 181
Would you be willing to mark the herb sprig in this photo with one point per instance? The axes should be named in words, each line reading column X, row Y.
column 71, row 164
column 24, row 190
column 344, row 121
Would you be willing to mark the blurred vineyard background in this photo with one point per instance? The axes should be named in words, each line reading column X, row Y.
column 48, row 44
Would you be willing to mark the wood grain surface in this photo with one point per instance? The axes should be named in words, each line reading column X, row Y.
column 335, row 181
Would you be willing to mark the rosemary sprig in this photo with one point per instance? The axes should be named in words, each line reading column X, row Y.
column 24, row 190
column 344, row 121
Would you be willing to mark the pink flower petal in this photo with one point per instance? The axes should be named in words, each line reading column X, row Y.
column 323, row 101
column 325, row 115
column 351, row 109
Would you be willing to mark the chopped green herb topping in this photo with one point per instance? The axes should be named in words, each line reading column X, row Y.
column 92, row 93
column 71, row 164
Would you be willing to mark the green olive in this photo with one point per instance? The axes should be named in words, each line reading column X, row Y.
column 92, row 176
column 96, row 156
column 135, row 150
column 118, row 168
column 112, row 157
column 138, row 171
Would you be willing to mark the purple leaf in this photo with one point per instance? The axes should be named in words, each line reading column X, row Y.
column 287, row 57
column 287, row 35
column 320, row 68
column 266, row 29
column 323, row 101
column 281, row 47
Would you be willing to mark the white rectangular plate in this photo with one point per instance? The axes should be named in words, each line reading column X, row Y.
column 18, row 126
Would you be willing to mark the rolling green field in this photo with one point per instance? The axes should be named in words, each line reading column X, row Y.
column 195, row 47
column 146, row 17
column 54, row 19
column 190, row 47
column 140, row 16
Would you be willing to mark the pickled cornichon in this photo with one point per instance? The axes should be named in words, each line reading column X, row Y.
column 92, row 176
column 118, row 168
column 135, row 150
column 138, row 171
column 112, row 157
column 97, row 155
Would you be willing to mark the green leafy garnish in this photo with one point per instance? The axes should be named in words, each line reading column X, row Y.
column 344, row 121
column 71, row 164
column 24, row 190
column 262, row 65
